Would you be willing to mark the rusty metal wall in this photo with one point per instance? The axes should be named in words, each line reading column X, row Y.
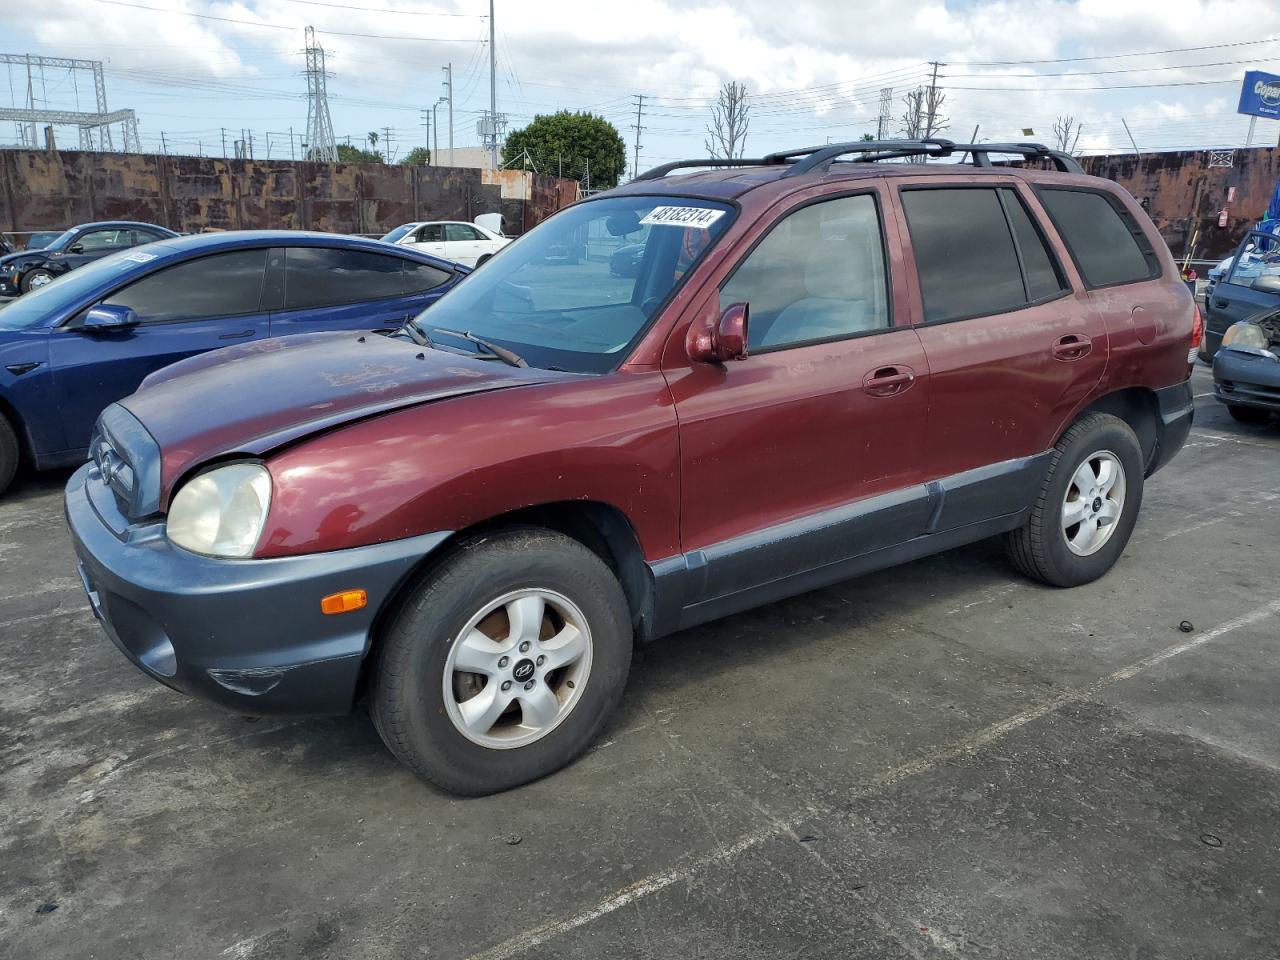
column 43, row 191
column 1184, row 192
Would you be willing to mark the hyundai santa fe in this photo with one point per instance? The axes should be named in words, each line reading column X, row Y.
column 825, row 363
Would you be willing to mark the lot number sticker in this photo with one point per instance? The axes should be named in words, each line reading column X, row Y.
column 141, row 257
column 698, row 218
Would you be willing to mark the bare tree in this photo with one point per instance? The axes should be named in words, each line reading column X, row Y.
column 730, row 116
column 1066, row 133
column 923, row 117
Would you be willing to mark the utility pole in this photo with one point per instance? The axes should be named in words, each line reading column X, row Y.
column 426, row 122
column 435, row 127
column 164, row 147
column 448, row 85
column 635, row 164
column 386, row 143
column 493, row 93
column 933, row 100
column 224, row 142
column 292, row 156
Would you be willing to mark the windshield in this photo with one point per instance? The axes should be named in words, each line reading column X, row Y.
column 397, row 233
column 60, row 240
column 576, row 292
column 69, row 289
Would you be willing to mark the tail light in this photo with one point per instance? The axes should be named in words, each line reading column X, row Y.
column 1197, row 333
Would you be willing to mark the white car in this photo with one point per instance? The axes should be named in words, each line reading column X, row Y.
column 467, row 243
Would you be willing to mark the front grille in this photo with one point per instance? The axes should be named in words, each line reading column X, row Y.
column 114, row 470
column 127, row 461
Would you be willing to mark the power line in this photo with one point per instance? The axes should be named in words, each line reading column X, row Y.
column 1112, row 56
column 1123, row 86
column 281, row 26
column 398, row 13
column 1093, row 73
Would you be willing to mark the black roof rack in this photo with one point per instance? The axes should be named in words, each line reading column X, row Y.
column 819, row 159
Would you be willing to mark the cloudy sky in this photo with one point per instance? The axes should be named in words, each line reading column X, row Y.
column 814, row 68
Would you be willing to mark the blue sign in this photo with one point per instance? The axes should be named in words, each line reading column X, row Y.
column 1260, row 95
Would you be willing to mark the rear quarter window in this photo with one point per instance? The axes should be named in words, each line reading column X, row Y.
column 1106, row 242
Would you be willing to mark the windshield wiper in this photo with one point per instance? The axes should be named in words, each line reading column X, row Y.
column 416, row 333
column 492, row 349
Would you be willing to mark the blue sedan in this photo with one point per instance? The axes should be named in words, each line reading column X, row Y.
column 70, row 348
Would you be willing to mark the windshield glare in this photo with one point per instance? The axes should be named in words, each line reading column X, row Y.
column 397, row 233
column 65, row 291
column 62, row 239
column 577, row 291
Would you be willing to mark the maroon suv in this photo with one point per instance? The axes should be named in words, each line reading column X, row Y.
column 825, row 362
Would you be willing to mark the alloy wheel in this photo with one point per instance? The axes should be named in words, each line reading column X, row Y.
column 1093, row 503
column 517, row 668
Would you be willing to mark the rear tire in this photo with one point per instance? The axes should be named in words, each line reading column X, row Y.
column 1248, row 414
column 9, row 454
column 526, row 719
column 1095, row 474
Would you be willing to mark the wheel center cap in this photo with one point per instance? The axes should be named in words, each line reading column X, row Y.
column 1097, row 504
column 522, row 671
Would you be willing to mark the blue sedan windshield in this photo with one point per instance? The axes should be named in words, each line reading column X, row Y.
column 559, row 296
column 69, row 289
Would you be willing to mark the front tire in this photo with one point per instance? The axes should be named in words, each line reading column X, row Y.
column 1251, row 415
column 9, row 454
column 36, row 279
column 1087, row 506
column 503, row 663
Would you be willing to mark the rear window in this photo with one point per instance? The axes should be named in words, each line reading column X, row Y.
column 1106, row 242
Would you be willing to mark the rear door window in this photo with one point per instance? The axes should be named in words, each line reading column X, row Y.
column 964, row 253
column 1040, row 269
column 328, row 276
column 1106, row 242
column 221, row 285
column 460, row 232
column 819, row 274
column 420, row 277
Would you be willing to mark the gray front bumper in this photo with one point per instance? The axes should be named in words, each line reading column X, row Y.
column 1243, row 379
column 245, row 634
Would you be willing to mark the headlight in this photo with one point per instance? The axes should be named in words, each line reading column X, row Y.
column 221, row 512
column 1245, row 334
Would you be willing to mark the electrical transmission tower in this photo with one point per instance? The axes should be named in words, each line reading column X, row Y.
column 89, row 123
column 321, row 144
column 886, row 104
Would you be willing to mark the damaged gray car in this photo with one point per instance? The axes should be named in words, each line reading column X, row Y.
column 1246, row 370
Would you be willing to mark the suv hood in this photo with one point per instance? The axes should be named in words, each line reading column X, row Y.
column 257, row 396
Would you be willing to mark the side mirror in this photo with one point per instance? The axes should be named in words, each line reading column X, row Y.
column 106, row 317
column 1267, row 283
column 721, row 341
column 76, row 248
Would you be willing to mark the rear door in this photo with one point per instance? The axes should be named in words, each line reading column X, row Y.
column 94, row 244
column 332, row 288
column 783, row 454
column 185, row 309
column 1011, row 346
column 461, row 244
column 1234, row 297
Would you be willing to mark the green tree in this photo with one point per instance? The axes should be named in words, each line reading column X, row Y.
column 349, row 154
column 417, row 157
column 569, row 143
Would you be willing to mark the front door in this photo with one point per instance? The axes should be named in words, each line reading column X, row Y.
column 185, row 309
column 1011, row 346
column 1235, row 298
column 808, row 452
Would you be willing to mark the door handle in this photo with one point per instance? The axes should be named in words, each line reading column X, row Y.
column 888, row 381
column 1073, row 346
column 236, row 336
column 1220, row 303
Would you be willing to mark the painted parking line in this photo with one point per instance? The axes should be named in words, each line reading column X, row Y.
column 536, row 936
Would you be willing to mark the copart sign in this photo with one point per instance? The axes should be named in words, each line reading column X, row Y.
column 1260, row 95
